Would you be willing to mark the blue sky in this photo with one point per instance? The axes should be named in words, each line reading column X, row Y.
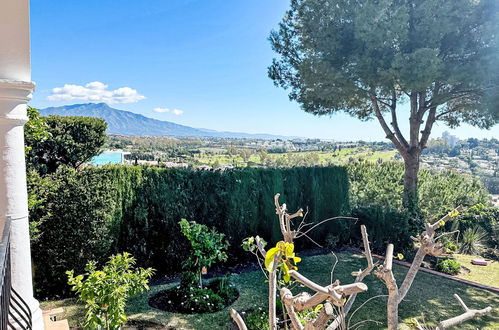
column 196, row 62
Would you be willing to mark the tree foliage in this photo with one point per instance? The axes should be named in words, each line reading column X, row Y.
column 366, row 58
column 207, row 247
column 59, row 140
column 337, row 55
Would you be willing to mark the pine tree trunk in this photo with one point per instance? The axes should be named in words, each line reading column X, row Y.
column 410, row 198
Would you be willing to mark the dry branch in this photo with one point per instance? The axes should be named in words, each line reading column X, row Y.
column 468, row 314
column 238, row 319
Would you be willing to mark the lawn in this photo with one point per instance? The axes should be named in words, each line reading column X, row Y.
column 430, row 296
column 323, row 157
column 488, row 275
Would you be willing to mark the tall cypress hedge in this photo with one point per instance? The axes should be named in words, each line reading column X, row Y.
column 93, row 213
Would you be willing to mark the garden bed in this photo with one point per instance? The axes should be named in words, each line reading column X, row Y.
column 214, row 297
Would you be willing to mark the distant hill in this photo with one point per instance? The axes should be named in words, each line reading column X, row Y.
column 132, row 124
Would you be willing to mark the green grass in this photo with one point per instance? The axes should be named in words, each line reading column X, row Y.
column 430, row 296
column 488, row 275
column 324, row 157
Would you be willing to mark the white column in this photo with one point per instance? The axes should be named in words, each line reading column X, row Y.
column 15, row 92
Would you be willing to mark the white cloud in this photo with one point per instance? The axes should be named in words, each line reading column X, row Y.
column 95, row 92
column 161, row 110
column 176, row 112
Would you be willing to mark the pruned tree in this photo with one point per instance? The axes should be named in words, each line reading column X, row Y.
column 334, row 301
column 425, row 60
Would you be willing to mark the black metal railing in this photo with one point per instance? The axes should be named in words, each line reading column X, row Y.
column 14, row 312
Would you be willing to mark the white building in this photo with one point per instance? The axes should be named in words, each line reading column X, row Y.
column 15, row 91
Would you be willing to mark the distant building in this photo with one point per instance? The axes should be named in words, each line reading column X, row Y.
column 450, row 139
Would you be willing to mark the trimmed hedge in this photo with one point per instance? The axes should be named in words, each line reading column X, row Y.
column 90, row 214
column 93, row 213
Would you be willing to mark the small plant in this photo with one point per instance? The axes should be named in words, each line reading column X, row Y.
column 309, row 315
column 105, row 292
column 448, row 266
column 473, row 240
column 208, row 246
column 257, row 320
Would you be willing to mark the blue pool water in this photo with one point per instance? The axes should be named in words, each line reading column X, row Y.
column 107, row 158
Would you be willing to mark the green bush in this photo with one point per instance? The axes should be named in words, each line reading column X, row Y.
column 95, row 212
column 257, row 320
column 207, row 247
column 448, row 266
column 105, row 292
column 473, row 240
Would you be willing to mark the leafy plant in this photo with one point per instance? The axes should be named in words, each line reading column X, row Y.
column 105, row 292
column 208, row 246
column 473, row 240
column 308, row 315
column 283, row 254
column 257, row 320
column 448, row 266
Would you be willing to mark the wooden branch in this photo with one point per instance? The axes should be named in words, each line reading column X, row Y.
column 387, row 130
column 446, row 218
column 411, row 274
column 395, row 125
column 468, row 314
column 260, row 246
column 430, row 120
column 389, row 257
column 272, row 294
column 310, row 284
column 287, row 299
column 238, row 319
column 367, row 249
column 349, row 289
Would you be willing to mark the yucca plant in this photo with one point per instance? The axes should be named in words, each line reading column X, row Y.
column 473, row 240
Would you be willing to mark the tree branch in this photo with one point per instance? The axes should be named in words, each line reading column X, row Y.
column 387, row 130
column 395, row 125
column 425, row 134
column 468, row 314
column 238, row 319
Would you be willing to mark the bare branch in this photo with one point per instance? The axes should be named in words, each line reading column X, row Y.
column 389, row 134
column 286, row 296
column 321, row 222
column 468, row 314
column 238, row 319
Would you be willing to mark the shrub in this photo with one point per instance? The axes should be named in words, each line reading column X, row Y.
column 106, row 292
column 207, row 247
column 257, row 320
column 448, row 266
column 473, row 240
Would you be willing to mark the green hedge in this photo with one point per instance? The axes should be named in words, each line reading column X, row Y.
column 90, row 214
column 93, row 213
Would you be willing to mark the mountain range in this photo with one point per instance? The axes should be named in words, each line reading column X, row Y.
column 132, row 124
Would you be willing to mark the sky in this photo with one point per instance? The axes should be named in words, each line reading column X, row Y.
column 193, row 62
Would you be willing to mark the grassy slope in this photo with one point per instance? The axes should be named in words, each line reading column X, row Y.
column 488, row 275
column 430, row 295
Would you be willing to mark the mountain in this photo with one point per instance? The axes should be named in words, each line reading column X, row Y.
column 132, row 124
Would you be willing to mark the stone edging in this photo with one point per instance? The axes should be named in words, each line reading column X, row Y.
column 450, row 277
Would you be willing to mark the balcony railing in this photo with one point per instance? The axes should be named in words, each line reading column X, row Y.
column 14, row 312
